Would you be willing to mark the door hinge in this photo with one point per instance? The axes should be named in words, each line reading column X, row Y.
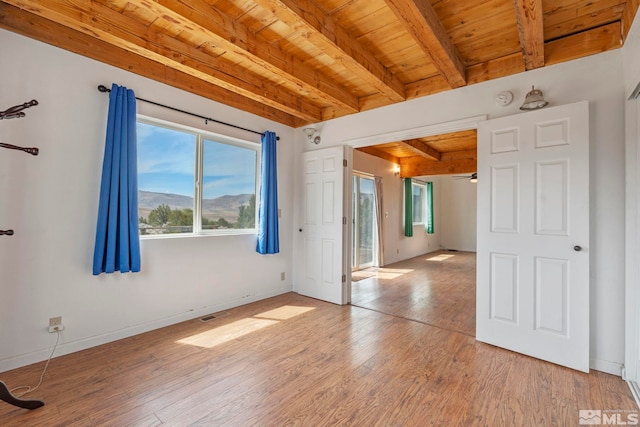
column 344, row 278
column 344, row 162
column 344, row 220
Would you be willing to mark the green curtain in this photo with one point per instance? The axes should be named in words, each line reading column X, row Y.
column 429, row 222
column 408, row 208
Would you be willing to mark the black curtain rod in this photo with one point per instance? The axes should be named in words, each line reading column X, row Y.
column 103, row 88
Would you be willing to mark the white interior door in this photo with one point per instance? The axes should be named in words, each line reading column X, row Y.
column 323, row 225
column 533, row 234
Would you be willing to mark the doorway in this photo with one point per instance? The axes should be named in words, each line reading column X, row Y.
column 424, row 293
column 435, row 284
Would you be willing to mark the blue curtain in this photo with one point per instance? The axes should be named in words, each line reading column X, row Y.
column 117, row 245
column 268, row 239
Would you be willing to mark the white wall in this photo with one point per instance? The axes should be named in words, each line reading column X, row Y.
column 458, row 213
column 51, row 202
column 631, row 61
column 598, row 79
column 397, row 247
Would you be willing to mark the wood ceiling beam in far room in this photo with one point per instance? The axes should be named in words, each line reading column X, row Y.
column 422, row 149
column 321, row 29
column 531, row 32
column 470, row 154
column 104, row 23
column 46, row 31
column 239, row 40
column 419, row 166
column 419, row 18
column 379, row 153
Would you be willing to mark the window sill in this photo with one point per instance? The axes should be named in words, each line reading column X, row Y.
column 196, row 235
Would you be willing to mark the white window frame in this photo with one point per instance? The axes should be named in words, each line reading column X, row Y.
column 200, row 136
column 423, row 206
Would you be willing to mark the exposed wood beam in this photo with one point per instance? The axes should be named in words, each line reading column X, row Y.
column 531, row 32
column 630, row 10
column 379, row 153
column 460, row 155
column 422, row 149
column 418, row 166
column 104, row 23
column 235, row 38
column 496, row 68
column 423, row 24
column 309, row 20
column 562, row 21
column 429, row 86
column 44, row 30
column 586, row 43
column 576, row 46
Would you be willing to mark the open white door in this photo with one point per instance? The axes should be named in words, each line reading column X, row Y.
column 533, row 234
column 323, row 225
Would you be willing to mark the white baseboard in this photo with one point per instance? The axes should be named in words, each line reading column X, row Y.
column 83, row 344
column 606, row 366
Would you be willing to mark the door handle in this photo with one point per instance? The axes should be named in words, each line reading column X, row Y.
column 300, row 230
column 577, row 248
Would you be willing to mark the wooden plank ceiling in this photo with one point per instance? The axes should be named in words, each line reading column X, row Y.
column 301, row 61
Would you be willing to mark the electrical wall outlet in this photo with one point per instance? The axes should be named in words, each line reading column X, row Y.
column 55, row 324
column 282, row 276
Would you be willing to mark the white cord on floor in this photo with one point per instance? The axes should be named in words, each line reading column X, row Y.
column 29, row 388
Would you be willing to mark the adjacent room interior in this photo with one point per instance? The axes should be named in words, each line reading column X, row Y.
column 433, row 280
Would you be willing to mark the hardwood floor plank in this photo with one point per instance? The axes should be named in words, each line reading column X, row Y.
column 612, row 398
column 333, row 370
column 437, row 289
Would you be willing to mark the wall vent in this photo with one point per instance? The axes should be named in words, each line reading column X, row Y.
column 214, row 316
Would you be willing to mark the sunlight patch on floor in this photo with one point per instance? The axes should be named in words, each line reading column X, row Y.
column 285, row 312
column 239, row 328
column 389, row 273
column 362, row 274
column 441, row 257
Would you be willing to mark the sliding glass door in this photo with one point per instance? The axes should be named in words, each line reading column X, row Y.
column 364, row 229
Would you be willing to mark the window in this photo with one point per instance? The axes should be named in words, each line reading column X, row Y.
column 194, row 182
column 419, row 202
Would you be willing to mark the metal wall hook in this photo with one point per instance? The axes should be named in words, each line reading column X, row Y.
column 31, row 150
column 16, row 111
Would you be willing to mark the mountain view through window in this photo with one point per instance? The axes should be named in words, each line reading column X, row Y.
column 176, row 166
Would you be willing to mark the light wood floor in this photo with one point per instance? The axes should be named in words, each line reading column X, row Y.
column 438, row 289
column 292, row 360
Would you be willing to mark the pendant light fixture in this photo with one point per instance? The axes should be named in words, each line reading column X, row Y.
column 534, row 100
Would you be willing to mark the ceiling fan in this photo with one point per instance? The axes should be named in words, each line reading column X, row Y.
column 472, row 178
